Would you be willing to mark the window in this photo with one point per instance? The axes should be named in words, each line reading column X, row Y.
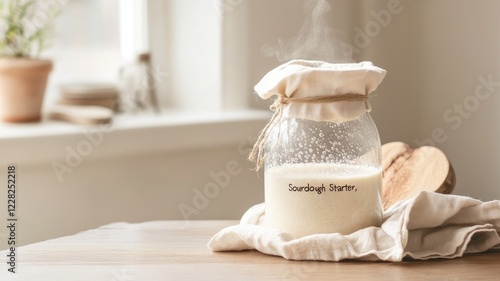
column 195, row 64
column 87, row 44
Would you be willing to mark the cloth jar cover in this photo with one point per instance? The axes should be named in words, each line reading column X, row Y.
column 311, row 79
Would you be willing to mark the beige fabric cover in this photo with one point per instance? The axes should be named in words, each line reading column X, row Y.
column 301, row 78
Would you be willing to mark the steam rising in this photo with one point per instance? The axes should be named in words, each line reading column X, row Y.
column 315, row 40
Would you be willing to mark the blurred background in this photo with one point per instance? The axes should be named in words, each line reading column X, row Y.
column 189, row 162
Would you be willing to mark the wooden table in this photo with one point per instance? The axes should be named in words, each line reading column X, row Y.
column 176, row 250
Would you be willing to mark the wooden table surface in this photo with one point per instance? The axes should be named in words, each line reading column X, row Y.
column 176, row 250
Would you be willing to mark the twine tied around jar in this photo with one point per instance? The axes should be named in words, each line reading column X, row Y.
column 257, row 155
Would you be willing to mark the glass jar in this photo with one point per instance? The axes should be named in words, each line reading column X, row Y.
column 323, row 177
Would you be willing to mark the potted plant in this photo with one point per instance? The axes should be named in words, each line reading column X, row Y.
column 24, row 29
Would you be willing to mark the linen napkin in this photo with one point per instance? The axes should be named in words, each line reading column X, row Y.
column 430, row 225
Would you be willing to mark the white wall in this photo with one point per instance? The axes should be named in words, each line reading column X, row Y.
column 275, row 20
column 435, row 52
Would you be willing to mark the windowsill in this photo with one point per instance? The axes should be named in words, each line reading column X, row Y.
column 49, row 141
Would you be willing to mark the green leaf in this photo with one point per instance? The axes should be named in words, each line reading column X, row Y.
column 20, row 33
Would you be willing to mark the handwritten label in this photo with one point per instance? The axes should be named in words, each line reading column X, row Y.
column 319, row 189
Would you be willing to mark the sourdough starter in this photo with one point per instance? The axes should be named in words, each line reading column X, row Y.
column 304, row 199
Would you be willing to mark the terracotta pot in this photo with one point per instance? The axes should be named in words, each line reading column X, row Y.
column 22, row 87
